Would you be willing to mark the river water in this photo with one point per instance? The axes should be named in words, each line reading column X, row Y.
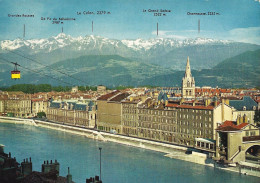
column 120, row 163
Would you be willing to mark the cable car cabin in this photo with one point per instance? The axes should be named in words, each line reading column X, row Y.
column 15, row 74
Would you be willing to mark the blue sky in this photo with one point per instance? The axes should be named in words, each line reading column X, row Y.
column 238, row 20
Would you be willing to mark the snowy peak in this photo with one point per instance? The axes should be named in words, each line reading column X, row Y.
column 139, row 44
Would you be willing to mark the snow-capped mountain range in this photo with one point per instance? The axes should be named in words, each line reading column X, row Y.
column 80, row 43
column 166, row 52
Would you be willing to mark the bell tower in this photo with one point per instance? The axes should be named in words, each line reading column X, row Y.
column 188, row 83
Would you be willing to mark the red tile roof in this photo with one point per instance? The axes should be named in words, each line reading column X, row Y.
column 257, row 101
column 190, row 107
column 231, row 126
column 228, row 123
column 242, row 125
column 228, row 128
column 86, row 96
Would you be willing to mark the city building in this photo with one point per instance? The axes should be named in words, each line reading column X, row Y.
column 82, row 113
column 101, row 89
column 245, row 109
column 236, row 141
column 74, row 89
column 198, row 122
column 109, row 111
column 13, row 172
column 157, row 122
column 39, row 105
column 18, row 107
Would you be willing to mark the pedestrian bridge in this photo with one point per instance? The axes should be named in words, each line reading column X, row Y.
column 250, row 145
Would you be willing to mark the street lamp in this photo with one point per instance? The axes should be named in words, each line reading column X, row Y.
column 100, row 148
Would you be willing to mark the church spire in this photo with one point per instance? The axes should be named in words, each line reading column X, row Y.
column 188, row 72
column 188, row 83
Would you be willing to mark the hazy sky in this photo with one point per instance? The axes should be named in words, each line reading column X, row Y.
column 237, row 20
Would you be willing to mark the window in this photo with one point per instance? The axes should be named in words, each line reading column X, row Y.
column 252, row 133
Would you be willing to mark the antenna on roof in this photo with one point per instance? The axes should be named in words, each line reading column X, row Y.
column 61, row 29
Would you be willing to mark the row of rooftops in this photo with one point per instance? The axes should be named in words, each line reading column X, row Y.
column 162, row 100
column 238, row 102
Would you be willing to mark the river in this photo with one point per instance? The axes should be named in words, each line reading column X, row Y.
column 120, row 163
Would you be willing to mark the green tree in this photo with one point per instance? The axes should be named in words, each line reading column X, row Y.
column 82, row 88
column 43, row 88
column 41, row 114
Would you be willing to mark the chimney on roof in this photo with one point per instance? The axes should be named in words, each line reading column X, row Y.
column 207, row 102
column 182, row 100
column 215, row 103
column 241, row 120
column 166, row 102
column 227, row 101
column 245, row 118
column 238, row 120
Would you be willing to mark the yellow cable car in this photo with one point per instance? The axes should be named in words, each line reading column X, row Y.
column 15, row 74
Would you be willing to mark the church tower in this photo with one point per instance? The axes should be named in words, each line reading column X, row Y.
column 188, row 83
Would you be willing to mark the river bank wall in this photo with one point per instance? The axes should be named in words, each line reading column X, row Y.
column 170, row 150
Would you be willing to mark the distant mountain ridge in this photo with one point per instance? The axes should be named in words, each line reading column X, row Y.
column 113, row 70
column 242, row 70
column 166, row 52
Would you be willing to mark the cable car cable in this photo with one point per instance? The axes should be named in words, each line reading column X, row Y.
column 33, row 60
column 38, row 72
